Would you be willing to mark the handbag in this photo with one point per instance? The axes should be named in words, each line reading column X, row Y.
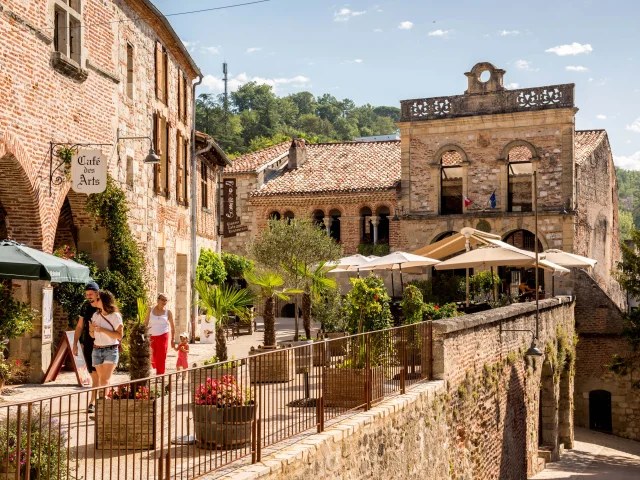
column 111, row 325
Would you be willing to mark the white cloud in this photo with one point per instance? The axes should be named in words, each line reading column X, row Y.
column 601, row 117
column 190, row 46
column 440, row 33
column 574, row 49
column 253, row 49
column 505, row 33
column 512, row 86
column 635, row 126
column 405, row 25
column 216, row 84
column 211, row 50
column 590, row 80
column 631, row 162
column 525, row 65
column 578, row 68
column 357, row 60
column 378, row 30
column 345, row 14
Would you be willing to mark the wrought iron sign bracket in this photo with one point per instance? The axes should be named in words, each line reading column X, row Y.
column 57, row 175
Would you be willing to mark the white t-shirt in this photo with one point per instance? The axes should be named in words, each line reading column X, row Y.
column 102, row 339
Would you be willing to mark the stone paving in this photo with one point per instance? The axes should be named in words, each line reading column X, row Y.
column 596, row 456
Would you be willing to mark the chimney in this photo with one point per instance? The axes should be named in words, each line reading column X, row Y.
column 297, row 153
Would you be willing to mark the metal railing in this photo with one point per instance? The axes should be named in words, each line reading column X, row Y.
column 161, row 427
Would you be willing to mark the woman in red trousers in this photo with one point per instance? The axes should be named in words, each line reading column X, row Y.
column 159, row 321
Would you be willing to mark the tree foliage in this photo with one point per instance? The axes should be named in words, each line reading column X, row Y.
column 17, row 317
column 628, row 200
column 211, row 268
column 257, row 118
column 236, row 265
column 367, row 305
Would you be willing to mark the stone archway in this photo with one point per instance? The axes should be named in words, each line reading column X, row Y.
column 600, row 410
column 21, row 198
column 548, row 412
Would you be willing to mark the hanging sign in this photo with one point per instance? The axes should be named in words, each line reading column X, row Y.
column 88, row 171
column 47, row 315
column 230, row 218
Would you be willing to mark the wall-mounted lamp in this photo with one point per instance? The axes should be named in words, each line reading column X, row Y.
column 533, row 350
column 396, row 218
column 151, row 158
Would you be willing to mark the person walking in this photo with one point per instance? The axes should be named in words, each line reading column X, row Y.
column 107, row 329
column 183, row 353
column 159, row 321
column 92, row 292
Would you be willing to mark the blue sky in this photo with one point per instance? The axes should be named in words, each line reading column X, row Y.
column 383, row 52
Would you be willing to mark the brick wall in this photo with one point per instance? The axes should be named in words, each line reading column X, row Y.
column 599, row 323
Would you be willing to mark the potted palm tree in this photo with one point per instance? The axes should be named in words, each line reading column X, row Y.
column 129, row 415
column 223, row 413
column 276, row 367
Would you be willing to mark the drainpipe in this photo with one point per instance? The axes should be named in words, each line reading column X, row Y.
column 194, row 214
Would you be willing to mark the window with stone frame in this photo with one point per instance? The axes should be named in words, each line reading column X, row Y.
column 67, row 29
column 182, row 177
column 161, row 70
column 182, row 97
column 520, row 180
column 204, row 185
column 130, row 68
column 451, row 199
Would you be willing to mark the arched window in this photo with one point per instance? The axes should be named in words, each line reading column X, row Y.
column 288, row 215
column 334, row 228
column 383, row 213
column 522, row 280
column 443, row 236
column 274, row 216
column 600, row 410
column 318, row 218
column 451, row 183
column 520, row 185
column 524, row 240
column 366, row 227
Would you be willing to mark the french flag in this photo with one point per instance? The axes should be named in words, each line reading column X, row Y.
column 467, row 201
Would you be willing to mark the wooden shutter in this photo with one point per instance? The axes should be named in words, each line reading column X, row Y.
column 180, row 92
column 166, row 162
column 185, row 169
column 184, row 98
column 165, row 73
column 158, row 149
column 160, row 82
column 179, row 172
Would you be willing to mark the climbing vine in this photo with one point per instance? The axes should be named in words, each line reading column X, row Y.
column 126, row 261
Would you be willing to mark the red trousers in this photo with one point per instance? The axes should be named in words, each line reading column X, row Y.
column 159, row 346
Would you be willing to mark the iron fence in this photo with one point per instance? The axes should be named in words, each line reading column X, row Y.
column 162, row 427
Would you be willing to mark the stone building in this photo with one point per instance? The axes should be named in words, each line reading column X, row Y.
column 79, row 72
column 484, row 146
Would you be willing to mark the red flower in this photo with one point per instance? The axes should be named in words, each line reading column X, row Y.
column 437, row 307
column 18, row 363
column 375, row 297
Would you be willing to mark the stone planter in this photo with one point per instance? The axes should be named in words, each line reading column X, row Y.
column 227, row 428
column 198, row 377
column 275, row 367
column 345, row 387
column 129, row 424
column 337, row 348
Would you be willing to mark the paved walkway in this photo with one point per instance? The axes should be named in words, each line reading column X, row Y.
column 237, row 348
column 596, row 456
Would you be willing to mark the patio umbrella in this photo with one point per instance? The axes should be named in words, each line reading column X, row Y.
column 566, row 259
column 19, row 262
column 351, row 263
column 397, row 260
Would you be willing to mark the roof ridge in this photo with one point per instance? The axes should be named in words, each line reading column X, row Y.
column 353, row 142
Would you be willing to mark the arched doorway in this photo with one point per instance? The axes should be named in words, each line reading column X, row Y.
column 274, row 215
column 522, row 281
column 334, row 229
column 548, row 408
column 600, row 410
column 288, row 215
column 383, row 213
column 318, row 218
column 366, row 227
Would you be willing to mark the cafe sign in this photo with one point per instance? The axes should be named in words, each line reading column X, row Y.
column 88, row 171
column 230, row 219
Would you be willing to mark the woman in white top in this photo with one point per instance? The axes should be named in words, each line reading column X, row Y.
column 159, row 321
column 106, row 328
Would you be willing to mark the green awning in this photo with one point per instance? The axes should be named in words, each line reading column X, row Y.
column 19, row 262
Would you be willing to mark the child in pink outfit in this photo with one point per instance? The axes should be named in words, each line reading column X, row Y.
column 183, row 353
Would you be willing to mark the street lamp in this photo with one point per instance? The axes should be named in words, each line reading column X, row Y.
column 151, row 158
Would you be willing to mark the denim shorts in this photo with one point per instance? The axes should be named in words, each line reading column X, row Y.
column 105, row 355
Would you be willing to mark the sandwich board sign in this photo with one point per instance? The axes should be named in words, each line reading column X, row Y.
column 79, row 365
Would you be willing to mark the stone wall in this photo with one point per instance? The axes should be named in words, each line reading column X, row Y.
column 478, row 419
column 599, row 323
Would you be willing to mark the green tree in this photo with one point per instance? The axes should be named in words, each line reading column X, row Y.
column 412, row 305
column 289, row 246
column 219, row 302
column 210, row 267
column 314, row 283
column 305, row 101
column 628, row 274
column 391, row 112
column 270, row 286
column 368, row 305
column 236, row 265
column 625, row 219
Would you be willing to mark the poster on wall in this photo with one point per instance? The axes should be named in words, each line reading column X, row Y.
column 47, row 315
column 88, row 171
column 230, row 219
column 207, row 329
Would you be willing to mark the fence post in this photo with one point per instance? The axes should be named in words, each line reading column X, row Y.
column 27, row 468
column 320, row 400
column 259, row 420
column 403, row 359
column 367, row 372
column 430, row 345
column 168, row 471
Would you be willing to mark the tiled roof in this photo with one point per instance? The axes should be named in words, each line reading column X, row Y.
column 341, row 168
column 586, row 141
column 252, row 161
column 520, row 154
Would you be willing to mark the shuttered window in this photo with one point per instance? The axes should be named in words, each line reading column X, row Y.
column 161, row 72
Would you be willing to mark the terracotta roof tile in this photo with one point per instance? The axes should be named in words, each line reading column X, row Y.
column 586, row 141
column 252, row 161
column 520, row 154
column 341, row 168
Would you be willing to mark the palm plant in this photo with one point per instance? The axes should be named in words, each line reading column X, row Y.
column 270, row 285
column 139, row 347
column 315, row 283
column 219, row 302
